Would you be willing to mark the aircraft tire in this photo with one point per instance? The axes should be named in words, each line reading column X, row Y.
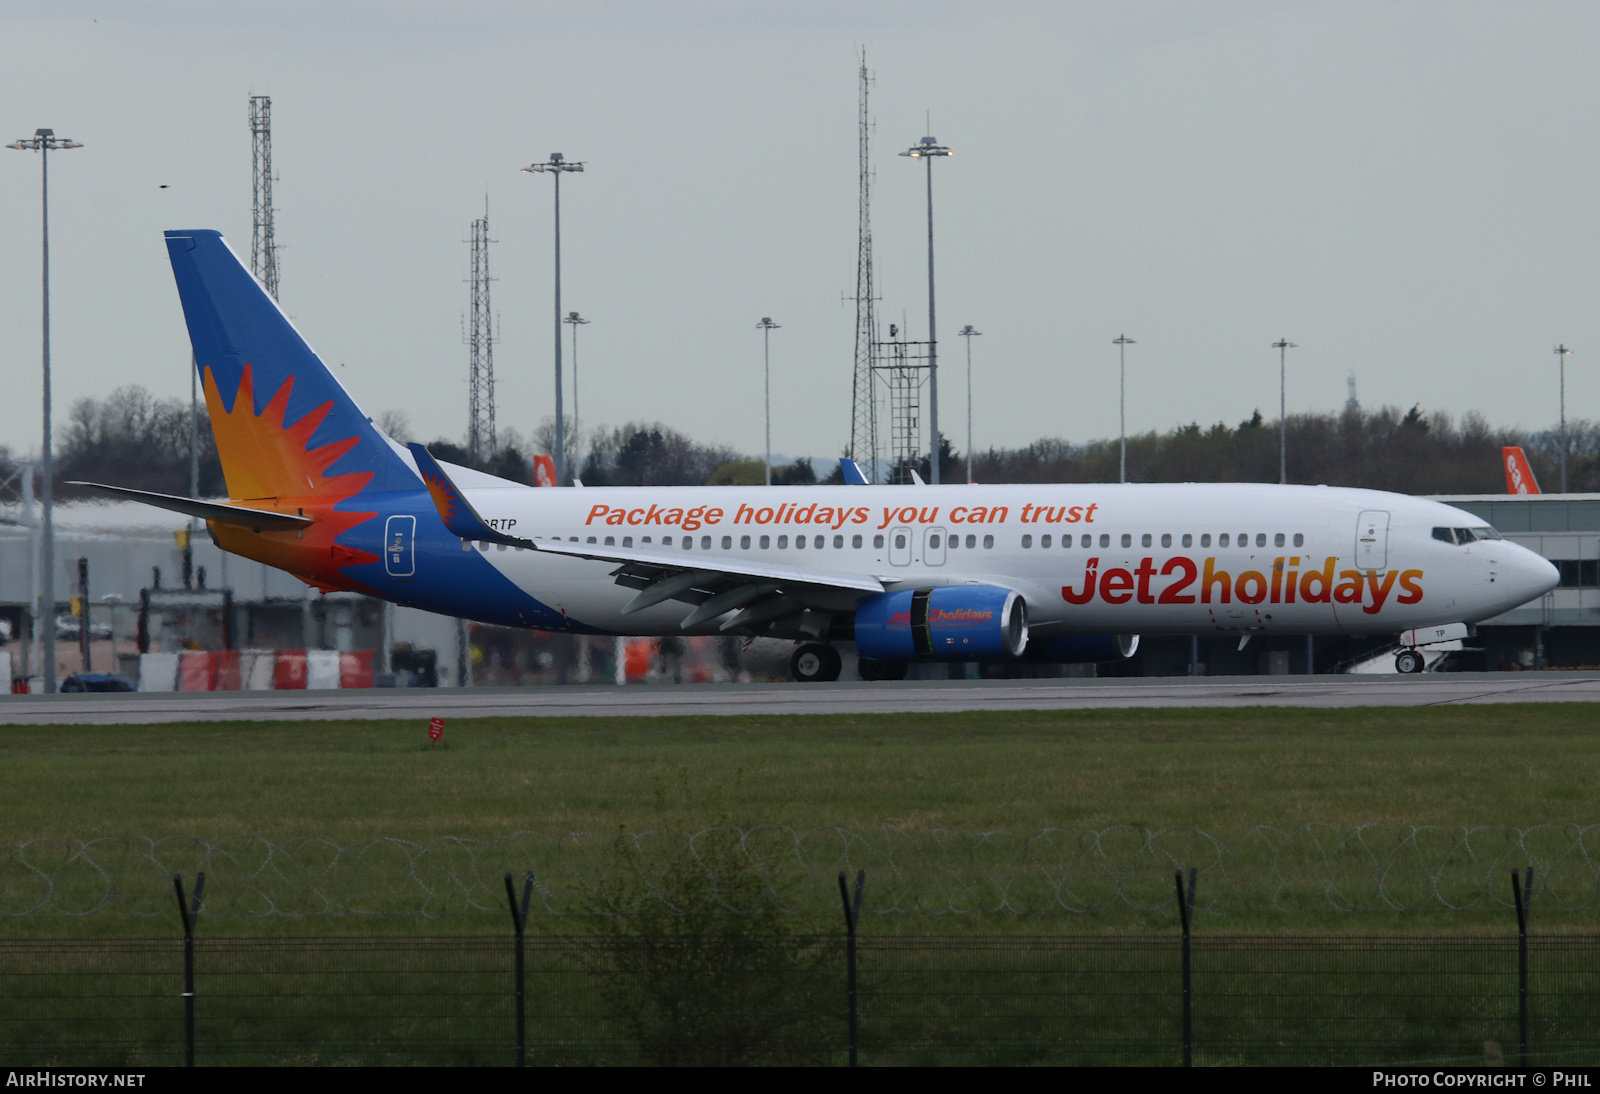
column 881, row 670
column 1409, row 661
column 815, row 663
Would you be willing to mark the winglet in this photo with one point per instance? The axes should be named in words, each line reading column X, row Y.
column 459, row 517
column 851, row 470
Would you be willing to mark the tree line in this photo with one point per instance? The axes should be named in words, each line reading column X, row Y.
column 131, row 438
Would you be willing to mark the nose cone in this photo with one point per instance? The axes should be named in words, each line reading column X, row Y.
column 1527, row 575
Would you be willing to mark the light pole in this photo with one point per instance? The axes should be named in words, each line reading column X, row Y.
column 45, row 141
column 556, row 165
column 1122, row 342
column 1561, row 354
column 575, row 320
column 969, row 334
column 928, row 149
column 1283, row 346
column 766, row 327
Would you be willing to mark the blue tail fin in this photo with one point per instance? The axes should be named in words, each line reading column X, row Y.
column 298, row 433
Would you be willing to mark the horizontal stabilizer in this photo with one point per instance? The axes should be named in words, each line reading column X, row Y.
column 454, row 509
column 257, row 520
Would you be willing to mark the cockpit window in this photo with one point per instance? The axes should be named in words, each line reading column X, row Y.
column 1464, row 535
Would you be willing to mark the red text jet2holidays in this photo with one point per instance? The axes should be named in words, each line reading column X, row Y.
column 906, row 573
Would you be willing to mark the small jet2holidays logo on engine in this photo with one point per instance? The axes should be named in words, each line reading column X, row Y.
column 1286, row 584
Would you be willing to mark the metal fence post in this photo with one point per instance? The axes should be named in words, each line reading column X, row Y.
column 852, row 917
column 1521, row 895
column 188, row 910
column 519, row 921
column 1185, row 913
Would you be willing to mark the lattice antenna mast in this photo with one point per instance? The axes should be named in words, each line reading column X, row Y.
column 263, row 238
column 481, row 444
column 864, row 403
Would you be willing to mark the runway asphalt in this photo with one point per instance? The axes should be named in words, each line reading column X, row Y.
column 840, row 698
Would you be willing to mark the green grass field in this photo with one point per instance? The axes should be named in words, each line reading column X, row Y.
column 919, row 799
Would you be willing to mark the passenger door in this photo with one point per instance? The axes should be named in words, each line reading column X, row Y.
column 1372, row 540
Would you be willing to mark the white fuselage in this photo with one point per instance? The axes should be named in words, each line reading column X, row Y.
column 1092, row 559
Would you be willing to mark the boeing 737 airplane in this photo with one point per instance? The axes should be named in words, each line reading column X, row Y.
column 1057, row 573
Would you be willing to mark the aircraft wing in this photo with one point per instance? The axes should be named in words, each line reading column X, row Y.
column 758, row 594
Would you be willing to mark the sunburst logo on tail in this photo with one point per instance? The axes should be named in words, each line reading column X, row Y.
column 269, row 462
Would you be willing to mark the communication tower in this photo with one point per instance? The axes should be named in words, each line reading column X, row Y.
column 263, row 239
column 481, row 444
column 864, row 404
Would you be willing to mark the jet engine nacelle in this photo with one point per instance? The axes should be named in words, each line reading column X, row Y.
column 944, row 623
column 1078, row 649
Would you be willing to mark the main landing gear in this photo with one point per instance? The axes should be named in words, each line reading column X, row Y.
column 815, row 663
column 1409, row 661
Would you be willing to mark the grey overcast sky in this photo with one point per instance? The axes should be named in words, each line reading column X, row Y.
column 1406, row 190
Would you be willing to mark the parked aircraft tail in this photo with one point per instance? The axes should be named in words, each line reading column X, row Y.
column 1519, row 475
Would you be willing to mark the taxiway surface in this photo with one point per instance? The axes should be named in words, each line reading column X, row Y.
column 840, row 698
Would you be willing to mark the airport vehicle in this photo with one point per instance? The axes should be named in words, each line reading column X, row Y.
column 958, row 573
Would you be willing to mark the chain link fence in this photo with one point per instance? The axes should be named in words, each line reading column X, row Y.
column 928, row 1000
column 1314, row 868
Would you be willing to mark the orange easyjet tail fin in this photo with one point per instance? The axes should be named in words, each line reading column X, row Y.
column 1519, row 476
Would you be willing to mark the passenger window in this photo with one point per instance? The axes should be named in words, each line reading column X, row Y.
column 877, row 541
column 727, row 543
column 1278, row 540
column 705, row 543
column 666, row 541
column 1127, row 539
column 1044, row 541
column 744, row 543
column 1166, row 539
column 855, row 541
column 688, row 542
column 1205, row 539
column 1105, row 540
column 1144, row 541
column 1088, row 541
column 1299, row 539
column 1222, row 540
column 899, row 541
column 627, row 541
column 838, row 542
column 783, row 542
column 766, row 541
column 954, row 542
column 972, row 541
column 1188, row 540
column 988, row 542
column 646, row 539
column 799, row 543
column 818, row 542
column 611, row 541
column 1027, row 541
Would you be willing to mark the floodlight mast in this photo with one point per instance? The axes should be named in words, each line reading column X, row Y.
column 1283, row 346
column 1562, row 352
column 767, row 326
column 1122, row 342
column 45, row 141
column 927, row 149
column 574, row 320
column 969, row 333
column 556, row 165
